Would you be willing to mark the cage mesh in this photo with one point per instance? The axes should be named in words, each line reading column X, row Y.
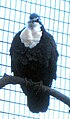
column 55, row 15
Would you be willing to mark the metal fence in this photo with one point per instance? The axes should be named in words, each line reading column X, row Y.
column 55, row 15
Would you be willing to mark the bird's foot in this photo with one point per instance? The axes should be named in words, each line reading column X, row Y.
column 37, row 86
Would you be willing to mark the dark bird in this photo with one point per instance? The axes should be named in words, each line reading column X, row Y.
column 34, row 56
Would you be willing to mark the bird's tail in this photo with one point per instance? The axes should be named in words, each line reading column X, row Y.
column 38, row 102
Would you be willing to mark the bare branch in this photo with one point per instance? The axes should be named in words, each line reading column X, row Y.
column 57, row 95
column 6, row 79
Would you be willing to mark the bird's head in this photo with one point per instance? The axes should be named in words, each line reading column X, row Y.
column 34, row 20
column 31, row 35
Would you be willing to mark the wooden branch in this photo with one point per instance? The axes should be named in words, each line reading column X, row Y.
column 6, row 79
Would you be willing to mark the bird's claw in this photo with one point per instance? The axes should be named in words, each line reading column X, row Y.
column 37, row 87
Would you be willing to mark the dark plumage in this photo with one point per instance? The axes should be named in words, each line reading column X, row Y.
column 38, row 63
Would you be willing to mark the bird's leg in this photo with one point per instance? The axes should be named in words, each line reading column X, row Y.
column 37, row 86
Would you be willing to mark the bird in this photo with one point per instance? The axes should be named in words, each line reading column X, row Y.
column 34, row 56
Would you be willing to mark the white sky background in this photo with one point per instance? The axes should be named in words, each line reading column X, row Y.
column 56, row 19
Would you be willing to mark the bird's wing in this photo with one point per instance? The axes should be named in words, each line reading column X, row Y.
column 17, row 50
column 53, row 60
column 52, row 55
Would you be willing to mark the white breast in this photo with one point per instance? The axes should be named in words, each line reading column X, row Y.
column 31, row 37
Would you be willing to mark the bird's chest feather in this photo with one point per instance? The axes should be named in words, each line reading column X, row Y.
column 31, row 37
column 38, row 54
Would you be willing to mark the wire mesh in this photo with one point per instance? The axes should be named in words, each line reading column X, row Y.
column 55, row 15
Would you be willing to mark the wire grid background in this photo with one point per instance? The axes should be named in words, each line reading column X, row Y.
column 55, row 15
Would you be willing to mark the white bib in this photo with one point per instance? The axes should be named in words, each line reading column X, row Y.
column 31, row 37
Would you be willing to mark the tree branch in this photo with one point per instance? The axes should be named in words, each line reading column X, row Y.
column 6, row 79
